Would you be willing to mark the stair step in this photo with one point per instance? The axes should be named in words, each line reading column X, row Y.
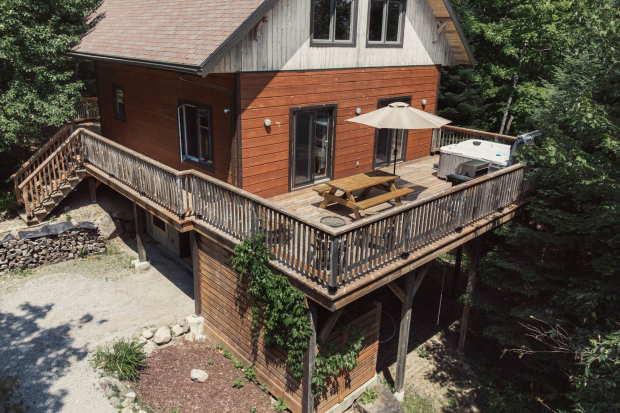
column 58, row 194
column 73, row 179
column 50, row 203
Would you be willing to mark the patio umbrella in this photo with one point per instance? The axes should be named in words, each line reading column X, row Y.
column 400, row 115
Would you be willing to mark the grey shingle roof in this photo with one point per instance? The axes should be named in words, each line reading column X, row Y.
column 171, row 32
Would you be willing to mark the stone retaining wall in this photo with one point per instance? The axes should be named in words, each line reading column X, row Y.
column 49, row 244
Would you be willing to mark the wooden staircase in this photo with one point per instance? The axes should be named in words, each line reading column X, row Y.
column 49, row 176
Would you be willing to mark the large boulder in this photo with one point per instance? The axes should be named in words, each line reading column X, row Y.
column 162, row 335
column 108, row 227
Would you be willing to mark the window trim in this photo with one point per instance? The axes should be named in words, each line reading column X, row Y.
column 406, row 99
column 115, row 87
column 203, row 164
column 401, row 29
column 155, row 227
column 332, row 146
column 334, row 43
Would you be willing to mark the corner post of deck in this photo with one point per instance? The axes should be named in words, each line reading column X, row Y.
column 307, row 398
column 457, row 270
column 194, row 239
column 403, row 337
column 333, row 264
column 473, row 249
column 139, row 217
column 92, row 189
column 181, row 210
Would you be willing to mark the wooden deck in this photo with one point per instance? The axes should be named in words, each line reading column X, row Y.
column 418, row 175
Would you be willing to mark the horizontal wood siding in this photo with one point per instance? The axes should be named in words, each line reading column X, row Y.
column 282, row 42
column 151, row 100
column 265, row 151
column 227, row 311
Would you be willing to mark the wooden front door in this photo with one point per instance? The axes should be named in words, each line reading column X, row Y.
column 312, row 137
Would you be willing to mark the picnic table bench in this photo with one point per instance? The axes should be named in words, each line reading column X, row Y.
column 366, row 181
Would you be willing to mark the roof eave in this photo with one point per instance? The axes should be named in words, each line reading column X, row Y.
column 459, row 30
column 222, row 51
column 151, row 64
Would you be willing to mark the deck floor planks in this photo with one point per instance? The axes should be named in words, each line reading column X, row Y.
column 418, row 175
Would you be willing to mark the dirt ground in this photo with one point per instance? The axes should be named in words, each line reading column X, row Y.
column 166, row 384
column 52, row 317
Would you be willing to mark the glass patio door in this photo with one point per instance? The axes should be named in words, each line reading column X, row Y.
column 311, row 146
column 386, row 140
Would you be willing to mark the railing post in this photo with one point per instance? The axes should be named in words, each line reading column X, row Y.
column 181, row 210
column 333, row 264
column 254, row 219
column 25, row 198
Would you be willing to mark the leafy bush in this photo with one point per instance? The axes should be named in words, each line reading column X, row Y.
column 238, row 383
column 125, row 359
column 8, row 202
column 369, row 396
column 280, row 406
column 250, row 373
column 422, row 352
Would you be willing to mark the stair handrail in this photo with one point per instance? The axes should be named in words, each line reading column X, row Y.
column 22, row 187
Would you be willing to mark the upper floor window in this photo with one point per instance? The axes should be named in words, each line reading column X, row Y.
column 386, row 22
column 118, row 98
column 195, row 132
column 333, row 22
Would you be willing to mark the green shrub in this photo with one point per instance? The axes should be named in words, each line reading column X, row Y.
column 210, row 362
column 422, row 352
column 280, row 406
column 250, row 373
column 369, row 396
column 8, row 202
column 238, row 383
column 125, row 359
column 238, row 364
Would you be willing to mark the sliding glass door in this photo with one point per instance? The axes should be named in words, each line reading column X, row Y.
column 386, row 140
column 311, row 145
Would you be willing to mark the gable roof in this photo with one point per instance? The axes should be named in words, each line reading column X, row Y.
column 193, row 36
column 180, row 35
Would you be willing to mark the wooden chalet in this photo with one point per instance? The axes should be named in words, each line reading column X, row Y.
column 219, row 119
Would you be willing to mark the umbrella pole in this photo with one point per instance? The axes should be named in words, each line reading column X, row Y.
column 395, row 150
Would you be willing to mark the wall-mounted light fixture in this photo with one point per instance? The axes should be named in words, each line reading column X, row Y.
column 358, row 111
column 267, row 122
column 423, row 102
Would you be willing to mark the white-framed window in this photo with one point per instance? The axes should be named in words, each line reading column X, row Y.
column 386, row 21
column 195, row 132
column 333, row 22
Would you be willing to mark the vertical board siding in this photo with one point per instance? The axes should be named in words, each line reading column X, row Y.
column 265, row 151
column 227, row 311
column 282, row 42
column 151, row 100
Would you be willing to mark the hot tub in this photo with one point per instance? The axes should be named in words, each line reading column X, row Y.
column 451, row 156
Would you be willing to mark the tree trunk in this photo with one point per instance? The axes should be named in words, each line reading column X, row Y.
column 515, row 79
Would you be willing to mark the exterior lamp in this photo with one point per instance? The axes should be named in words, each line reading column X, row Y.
column 358, row 111
column 267, row 122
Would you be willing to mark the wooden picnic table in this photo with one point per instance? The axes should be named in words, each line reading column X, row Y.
column 366, row 181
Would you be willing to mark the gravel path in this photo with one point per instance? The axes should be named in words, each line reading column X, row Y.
column 51, row 319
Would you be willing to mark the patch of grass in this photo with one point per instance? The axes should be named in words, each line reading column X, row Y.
column 20, row 272
column 67, row 213
column 124, row 360
column 210, row 362
column 388, row 385
column 416, row 404
column 238, row 383
column 369, row 396
column 280, row 406
column 263, row 387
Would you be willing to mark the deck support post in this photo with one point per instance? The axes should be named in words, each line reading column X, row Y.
column 92, row 189
column 403, row 337
column 457, row 271
column 193, row 240
column 473, row 249
column 139, row 216
column 307, row 398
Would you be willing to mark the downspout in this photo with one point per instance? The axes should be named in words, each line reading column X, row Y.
column 233, row 164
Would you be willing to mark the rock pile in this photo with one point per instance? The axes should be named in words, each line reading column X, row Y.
column 190, row 328
column 49, row 244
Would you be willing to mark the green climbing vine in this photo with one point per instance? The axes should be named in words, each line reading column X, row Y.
column 284, row 315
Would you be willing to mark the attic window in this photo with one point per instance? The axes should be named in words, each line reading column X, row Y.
column 386, row 23
column 195, row 133
column 333, row 22
column 118, row 98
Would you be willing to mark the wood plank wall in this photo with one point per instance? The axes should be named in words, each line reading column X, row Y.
column 226, row 308
column 151, row 100
column 265, row 151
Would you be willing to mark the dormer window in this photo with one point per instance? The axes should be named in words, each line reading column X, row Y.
column 386, row 21
column 333, row 22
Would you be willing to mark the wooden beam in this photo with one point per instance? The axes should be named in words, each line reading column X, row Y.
column 193, row 240
column 457, row 271
column 396, row 290
column 140, row 240
column 331, row 322
column 92, row 189
column 474, row 250
column 403, row 337
column 307, row 398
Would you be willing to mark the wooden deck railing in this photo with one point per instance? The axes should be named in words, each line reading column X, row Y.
column 51, row 174
column 327, row 256
column 87, row 109
column 449, row 135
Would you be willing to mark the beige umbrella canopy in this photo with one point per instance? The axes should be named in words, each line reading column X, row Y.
column 400, row 115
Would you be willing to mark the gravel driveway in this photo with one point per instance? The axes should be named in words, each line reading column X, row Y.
column 52, row 318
